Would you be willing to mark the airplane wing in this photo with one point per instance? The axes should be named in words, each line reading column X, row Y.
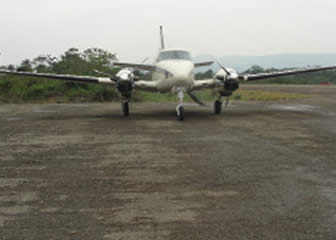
column 146, row 67
column 146, row 85
column 73, row 78
column 203, row 64
column 254, row 77
column 206, row 83
column 139, row 84
column 211, row 83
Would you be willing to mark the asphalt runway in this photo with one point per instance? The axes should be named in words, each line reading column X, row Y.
column 261, row 170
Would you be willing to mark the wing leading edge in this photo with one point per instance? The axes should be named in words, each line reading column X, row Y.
column 145, row 67
column 261, row 76
column 73, row 78
column 203, row 64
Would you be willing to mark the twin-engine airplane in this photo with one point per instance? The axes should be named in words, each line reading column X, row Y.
column 172, row 72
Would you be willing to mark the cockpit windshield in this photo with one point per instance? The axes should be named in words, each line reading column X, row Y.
column 174, row 55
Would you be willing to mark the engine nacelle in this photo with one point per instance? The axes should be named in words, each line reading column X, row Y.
column 125, row 82
column 231, row 85
column 221, row 75
column 230, row 82
column 125, row 88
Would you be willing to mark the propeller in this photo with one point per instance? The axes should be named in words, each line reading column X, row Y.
column 230, row 82
column 230, row 75
column 145, row 60
column 222, row 67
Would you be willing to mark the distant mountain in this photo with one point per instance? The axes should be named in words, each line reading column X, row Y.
column 242, row 63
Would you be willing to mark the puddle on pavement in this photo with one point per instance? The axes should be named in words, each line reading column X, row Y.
column 49, row 210
column 215, row 194
column 3, row 220
column 13, row 119
column 293, row 107
column 156, row 207
column 11, row 182
column 20, row 197
column 15, row 210
column 140, row 234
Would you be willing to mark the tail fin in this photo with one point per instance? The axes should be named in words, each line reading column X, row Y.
column 162, row 38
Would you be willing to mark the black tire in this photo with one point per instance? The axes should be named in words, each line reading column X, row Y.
column 125, row 109
column 180, row 114
column 218, row 107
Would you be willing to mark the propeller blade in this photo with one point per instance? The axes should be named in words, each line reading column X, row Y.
column 102, row 73
column 227, row 72
column 145, row 60
column 196, row 99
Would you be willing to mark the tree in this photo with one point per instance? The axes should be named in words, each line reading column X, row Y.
column 71, row 63
column 25, row 66
column 98, row 57
column 11, row 67
column 41, row 64
column 255, row 69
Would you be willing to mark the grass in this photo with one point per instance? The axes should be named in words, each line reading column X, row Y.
column 141, row 96
column 165, row 97
column 18, row 90
column 240, row 95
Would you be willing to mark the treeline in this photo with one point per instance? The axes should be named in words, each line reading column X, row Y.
column 73, row 61
column 307, row 78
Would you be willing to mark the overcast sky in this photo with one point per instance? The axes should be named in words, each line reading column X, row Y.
column 130, row 27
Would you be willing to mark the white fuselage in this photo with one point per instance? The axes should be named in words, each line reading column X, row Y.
column 182, row 75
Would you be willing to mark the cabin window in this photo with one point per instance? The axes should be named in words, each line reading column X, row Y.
column 174, row 55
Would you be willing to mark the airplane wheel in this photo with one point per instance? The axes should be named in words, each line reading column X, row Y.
column 218, row 107
column 125, row 109
column 180, row 113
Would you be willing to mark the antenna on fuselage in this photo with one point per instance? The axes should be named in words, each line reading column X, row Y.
column 162, row 38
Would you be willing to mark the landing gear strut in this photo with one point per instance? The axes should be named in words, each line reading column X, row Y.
column 180, row 112
column 227, row 102
column 179, row 108
column 218, row 107
column 125, row 108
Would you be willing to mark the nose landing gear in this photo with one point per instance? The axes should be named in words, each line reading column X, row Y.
column 179, row 108
column 180, row 112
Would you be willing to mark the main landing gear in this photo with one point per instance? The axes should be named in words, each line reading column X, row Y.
column 125, row 108
column 218, row 106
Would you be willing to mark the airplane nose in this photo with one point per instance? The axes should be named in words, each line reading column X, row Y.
column 182, row 72
column 181, row 76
